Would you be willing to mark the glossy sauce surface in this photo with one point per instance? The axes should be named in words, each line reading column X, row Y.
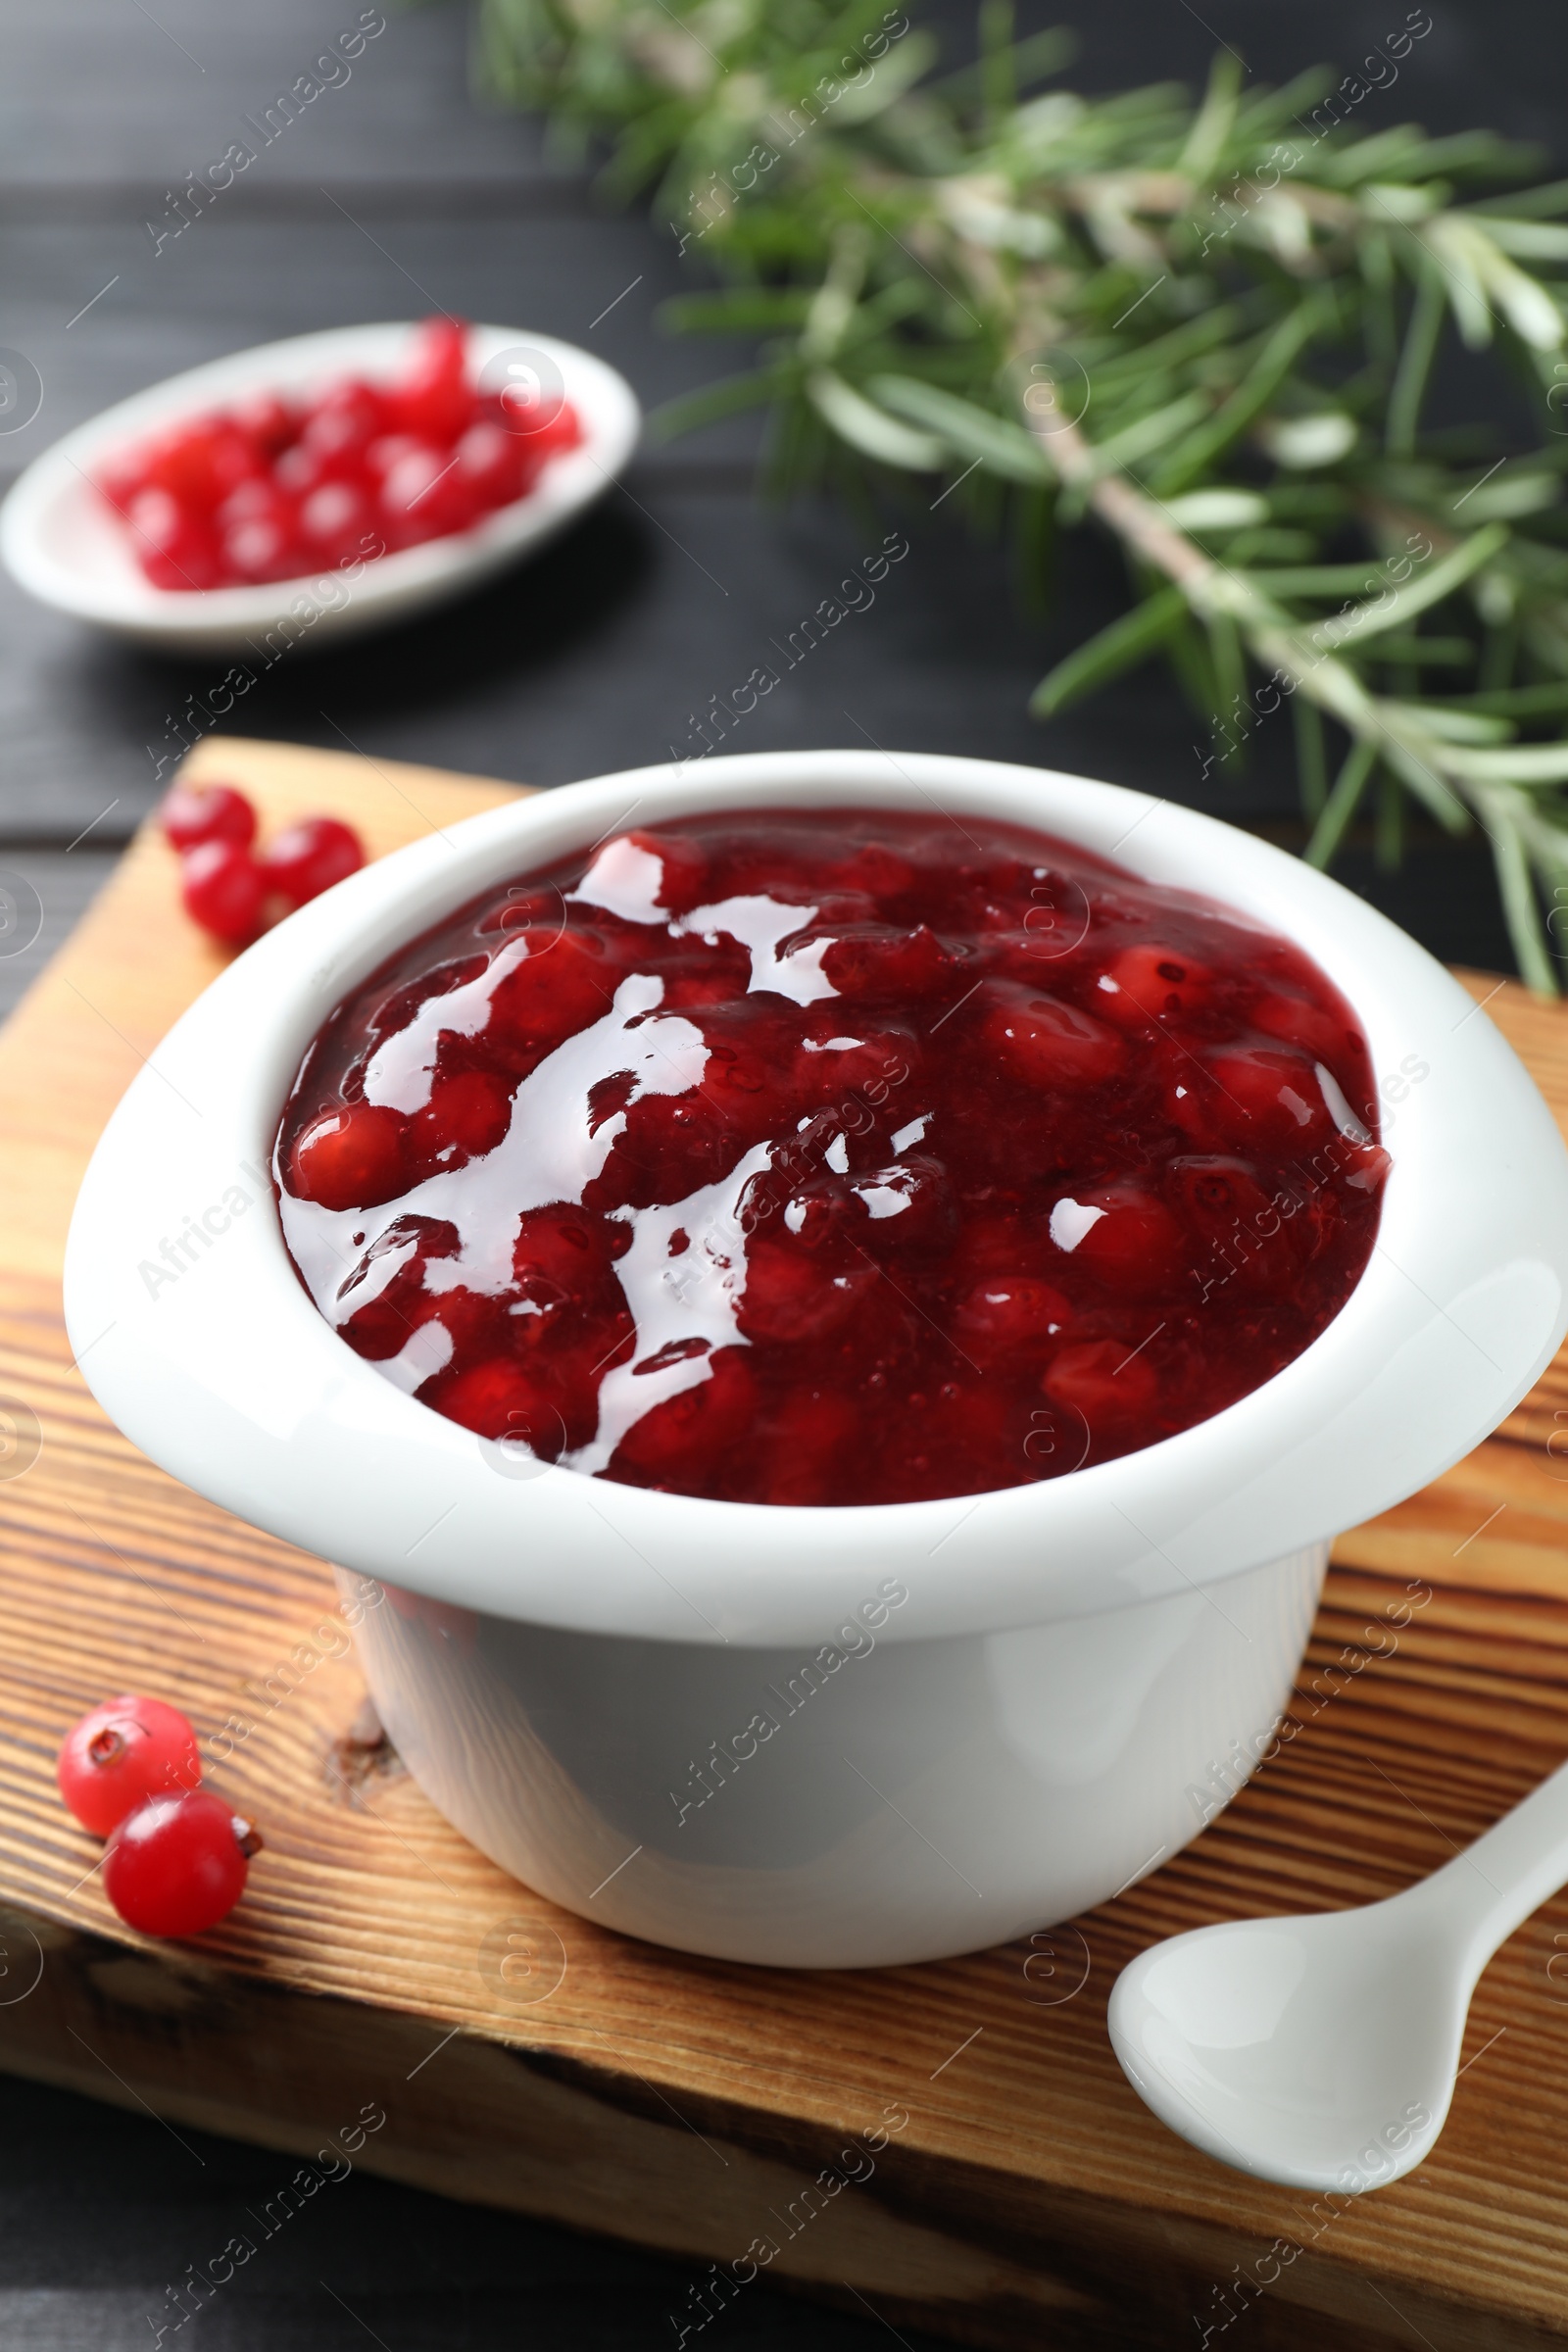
column 833, row 1157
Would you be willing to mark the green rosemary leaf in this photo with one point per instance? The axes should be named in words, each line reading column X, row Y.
column 1415, row 361
column 1380, row 157
column 1187, row 648
column 1311, row 316
column 1269, row 545
column 1424, row 653
column 1530, row 241
column 913, row 58
column 1507, row 495
column 1036, row 57
column 1514, row 702
column 1311, row 765
column 1472, row 151
column 1451, row 723
column 1388, row 839
column 1527, row 204
column 991, row 441
column 1397, row 606
column 1527, row 763
column 871, row 429
column 1121, row 647
column 1520, row 905
column 1214, row 121
column 1326, row 503
column 1430, row 788
column 742, row 311
column 1139, row 440
column 1214, row 324
column 1230, row 673
column 1341, row 806
column 1316, row 579
column 727, row 398
column 1263, row 112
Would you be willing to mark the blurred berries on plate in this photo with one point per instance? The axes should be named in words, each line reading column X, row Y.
column 276, row 488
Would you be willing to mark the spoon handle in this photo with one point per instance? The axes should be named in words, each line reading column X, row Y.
column 1495, row 1885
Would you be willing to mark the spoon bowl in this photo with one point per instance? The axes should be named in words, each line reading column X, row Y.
column 1318, row 2052
column 1322, row 2052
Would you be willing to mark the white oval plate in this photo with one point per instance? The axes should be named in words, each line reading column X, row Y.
column 63, row 544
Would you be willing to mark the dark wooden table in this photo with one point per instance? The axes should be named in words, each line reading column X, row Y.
column 394, row 194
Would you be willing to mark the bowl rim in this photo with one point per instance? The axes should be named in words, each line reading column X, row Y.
column 231, row 1378
column 611, row 412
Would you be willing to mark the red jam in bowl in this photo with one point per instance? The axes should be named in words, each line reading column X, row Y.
column 833, row 1157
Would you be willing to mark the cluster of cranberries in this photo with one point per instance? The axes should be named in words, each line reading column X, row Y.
column 273, row 489
column 834, row 1156
column 178, row 1856
column 230, row 890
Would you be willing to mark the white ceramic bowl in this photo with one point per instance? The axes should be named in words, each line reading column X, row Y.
column 1057, row 1700
column 64, row 546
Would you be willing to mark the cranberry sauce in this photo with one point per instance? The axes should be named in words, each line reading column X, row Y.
column 833, row 1157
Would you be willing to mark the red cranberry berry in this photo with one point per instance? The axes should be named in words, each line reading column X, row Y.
column 1104, row 1380
column 1152, row 984
column 196, row 812
column 178, row 1864
column 502, row 1398
column 432, row 399
column 258, row 536
column 201, row 462
column 1045, row 1043
column 554, row 433
column 888, row 964
column 333, row 518
column 176, row 546
column 424, row 494
column 789, row 1296
column 559, row 988
column 351, row 1159
column 341, row 425
column 810, row 1437
column 468, row 1113
column 224, row 890
column 267, row 423
column 1126, row 1237
column 489, row 468
column 1295, row 1021
column 682, row 1439
column 121, row 1753
column 1011, row 1314
column 308, row 857
column 1254, row 1098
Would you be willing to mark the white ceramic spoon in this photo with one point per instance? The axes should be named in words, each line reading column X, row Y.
column 1322, row 2052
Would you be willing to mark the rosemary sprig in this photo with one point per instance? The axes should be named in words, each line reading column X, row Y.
column 1208, row 327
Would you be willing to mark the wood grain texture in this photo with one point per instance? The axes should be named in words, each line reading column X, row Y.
column 686, row 2104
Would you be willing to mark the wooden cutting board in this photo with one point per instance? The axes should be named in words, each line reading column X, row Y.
column 379, row 1966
